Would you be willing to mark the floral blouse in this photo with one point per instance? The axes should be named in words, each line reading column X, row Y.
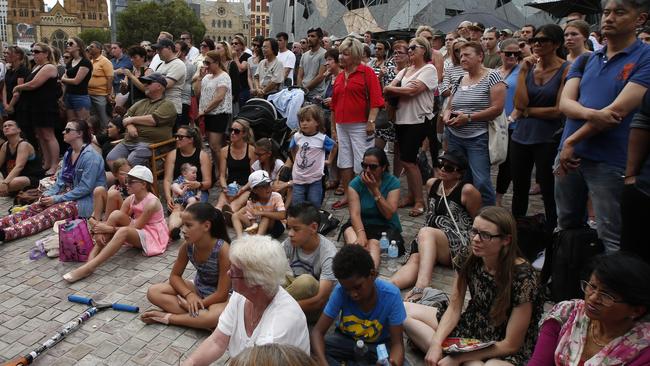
column 575, row 325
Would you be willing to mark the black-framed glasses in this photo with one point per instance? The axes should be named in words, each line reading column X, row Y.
column 235, row 131
column 512, row 54
column 365, row 166
column 66, row 57
column 68, row 130
column 36, row 52
column 606, row 299
column 180, row 137
column 70, row 44
column 539, row 40
column 483, row 235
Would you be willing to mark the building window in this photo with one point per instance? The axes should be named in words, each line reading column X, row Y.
column 230, row 24
column 214, row 23
column 257, row 20
column 258, row 8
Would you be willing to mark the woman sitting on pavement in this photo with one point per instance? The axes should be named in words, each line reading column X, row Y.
column 196, row 304
column 140, row 223
column 505, row 303
column 70, row 196
column 235, row 162
column 445, row 236
column 105, row 202
column 259, row 311
column 189, row 150
column 609, row 327
column 19, row 164
column 373, row 197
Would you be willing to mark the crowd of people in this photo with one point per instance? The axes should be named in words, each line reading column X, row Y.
column 573, row 97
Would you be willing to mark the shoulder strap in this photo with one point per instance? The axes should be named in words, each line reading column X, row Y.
column 460, row 79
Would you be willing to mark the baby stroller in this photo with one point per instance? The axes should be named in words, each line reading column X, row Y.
column 264, row 121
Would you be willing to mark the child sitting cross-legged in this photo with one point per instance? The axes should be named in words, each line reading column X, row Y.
column 264, row 212
column 370, row 309
column 181, row 191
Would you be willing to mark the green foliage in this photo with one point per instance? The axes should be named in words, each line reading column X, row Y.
column 143, row 21
column 95, row 34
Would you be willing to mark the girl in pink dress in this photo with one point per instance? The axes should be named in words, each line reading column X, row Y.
column 140, row 223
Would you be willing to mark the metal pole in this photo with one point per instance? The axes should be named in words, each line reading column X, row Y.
column 113, row 22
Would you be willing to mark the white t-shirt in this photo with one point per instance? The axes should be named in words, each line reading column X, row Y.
column 276, row 168
column 288, row 59
column 209, row 85
column 191, row 55
column 413, row 110
column 155, row 62
column 283, row 322
column 175, row 70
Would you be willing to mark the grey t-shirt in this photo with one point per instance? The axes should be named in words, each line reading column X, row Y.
column 174, row 70
column 317, row 264
column 311, row 63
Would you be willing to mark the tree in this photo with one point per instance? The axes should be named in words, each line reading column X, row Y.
column 95, row 34
column 144, row 20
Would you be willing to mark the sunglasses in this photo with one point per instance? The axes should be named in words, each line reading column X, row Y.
column 70, row 44
column 66, row 57
column 36, row 52
column 446, row 167
column 365, row 166
column 180, row 137
column 235, row 131
column 539, row 40
column 413, row 47
column 204, row 45
column 68, row 130
column 522, row 44
column 512, row 54
column 207, row 63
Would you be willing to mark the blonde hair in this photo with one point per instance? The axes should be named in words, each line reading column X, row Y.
column 273, row 354
column 262, row 261
column 250, row 136
column 47, row 49
column 424, row 43
column 227, row 51
column 118, row 164
column 423, row 28
column 354, row 46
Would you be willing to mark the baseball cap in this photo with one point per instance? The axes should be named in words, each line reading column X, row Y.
column 142, row 173
column 439, row 34
column 477, row 27
column 163, row 43
column 154, row 77
column 455, row 157
column 258, row 178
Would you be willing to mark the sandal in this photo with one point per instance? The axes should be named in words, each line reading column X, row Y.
column 339, row 205
column 415, row 212
column 414, row 295
column 339, row 191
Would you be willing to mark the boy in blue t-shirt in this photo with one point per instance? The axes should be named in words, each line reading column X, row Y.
column 366, row 308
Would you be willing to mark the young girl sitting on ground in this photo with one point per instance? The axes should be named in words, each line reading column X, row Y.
column 140, row 223
column 195, row 304
column 105, row 202
column 308, row 147
column 264, row 210
column 181, row 192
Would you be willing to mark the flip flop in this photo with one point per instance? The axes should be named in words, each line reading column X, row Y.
column 415, row 212
column 339, row 191
column 339, row 205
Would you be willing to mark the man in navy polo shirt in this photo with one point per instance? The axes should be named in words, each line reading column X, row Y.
column 600, row 98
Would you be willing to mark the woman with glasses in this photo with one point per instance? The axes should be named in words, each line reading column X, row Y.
column 509, row 70
column 254, row 60
column 609, row 327
column 39, row 105
column 79, row 70
column 72, row 193
column 382, row 64
column 215, row 99
column 505, row 303
column 576, row 35
column 538, row 117
column 235, row 161
column 140, row 223
column 17, row 71
column 225, row 51
column 453, row 204
column 132, row 84
column 373, row 197
column 414, row 116
column 240, row 58
column 188, row 151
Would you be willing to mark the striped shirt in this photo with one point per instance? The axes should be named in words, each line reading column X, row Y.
column 450, row 76
column 473, row 99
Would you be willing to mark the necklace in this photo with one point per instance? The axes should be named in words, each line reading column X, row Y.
column 254, row 321
column 592, row 335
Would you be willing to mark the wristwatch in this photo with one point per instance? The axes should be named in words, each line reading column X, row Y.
column 371, row 121
column 469, row 117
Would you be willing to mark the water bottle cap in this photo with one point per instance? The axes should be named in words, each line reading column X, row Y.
column 383, row 233
column 360, row 343
column 393, row 242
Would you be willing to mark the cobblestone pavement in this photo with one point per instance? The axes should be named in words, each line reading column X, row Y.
column 34, row 305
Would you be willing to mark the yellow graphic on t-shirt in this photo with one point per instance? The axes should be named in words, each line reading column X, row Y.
column 368, row 330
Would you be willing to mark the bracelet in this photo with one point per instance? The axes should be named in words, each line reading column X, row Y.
column 360, row 230
column 188, row 292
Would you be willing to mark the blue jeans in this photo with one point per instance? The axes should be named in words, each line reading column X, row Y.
column 478, row 157
column 312, row 192
column 605, row 183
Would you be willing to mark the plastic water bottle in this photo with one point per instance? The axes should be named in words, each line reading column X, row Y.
column 382, row 355
column 383, row 244
column 393, row 253
column 360, row 351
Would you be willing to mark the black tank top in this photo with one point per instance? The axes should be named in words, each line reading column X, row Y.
column 437, row 205
column 238, row 170
column 33, row 166
column 194, row 159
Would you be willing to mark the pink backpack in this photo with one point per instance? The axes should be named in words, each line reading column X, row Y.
column 75, row 242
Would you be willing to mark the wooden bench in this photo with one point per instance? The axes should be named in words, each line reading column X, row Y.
column 159, row 151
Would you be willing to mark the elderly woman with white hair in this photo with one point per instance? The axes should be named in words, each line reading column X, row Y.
column 259, row 311
column 356, row 100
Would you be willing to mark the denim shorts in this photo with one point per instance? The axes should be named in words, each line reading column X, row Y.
column 76, row 101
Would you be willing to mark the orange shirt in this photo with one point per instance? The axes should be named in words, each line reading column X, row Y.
column 102, row 70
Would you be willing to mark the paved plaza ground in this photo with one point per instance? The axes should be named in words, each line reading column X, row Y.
column 34, row 305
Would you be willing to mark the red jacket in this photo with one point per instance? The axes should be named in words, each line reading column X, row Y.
column 350, row 101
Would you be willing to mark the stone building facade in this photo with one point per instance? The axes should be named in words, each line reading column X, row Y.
column 222, row 19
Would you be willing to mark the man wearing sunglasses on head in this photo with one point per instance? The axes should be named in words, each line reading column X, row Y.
column 148, row 121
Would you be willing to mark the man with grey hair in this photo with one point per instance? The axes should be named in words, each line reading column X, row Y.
column 602, row 93
column 259, row 306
